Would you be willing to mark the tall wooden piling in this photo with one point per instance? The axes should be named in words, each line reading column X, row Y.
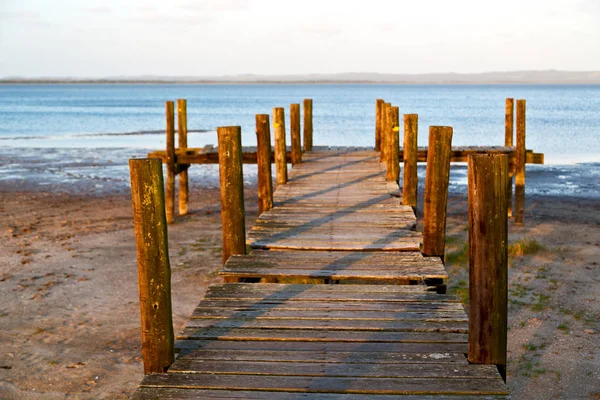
column 263, row 161
column 183, row 144
column 295, row 134
column 436, row 190
column 170, row 187
column 509, row 122
column 154, row 271
column 232, row 191
column 520, row 163
column 378, row 121
column 280, row 150
column 488, row 260
column 308, row 124
column 385, row 126
column 411, row 180
column 393, row 160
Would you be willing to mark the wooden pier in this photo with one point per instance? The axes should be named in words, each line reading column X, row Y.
column 330, row 296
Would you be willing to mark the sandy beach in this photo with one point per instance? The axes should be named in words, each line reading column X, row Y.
column 69, row 311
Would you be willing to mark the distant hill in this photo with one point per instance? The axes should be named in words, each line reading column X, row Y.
column 510, row 77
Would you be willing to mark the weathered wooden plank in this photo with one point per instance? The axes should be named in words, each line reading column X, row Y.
column 186, row 394
column 295, row 368
column 425, row 386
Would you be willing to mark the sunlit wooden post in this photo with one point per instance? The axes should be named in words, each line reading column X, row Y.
column 232, row 191
column 295, row 134
column 308, row 124
column 385, row 126
column 183, row 174
column 263, row 161
column 411, row 180
column 488, row 260
column 170, row 187
column 520, row 164
column 437, row 179
column 154, row 271
column 280, row 148
column 393, row 159
column 378, row 120
column 509, row 122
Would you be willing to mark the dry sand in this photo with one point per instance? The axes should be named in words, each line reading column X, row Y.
column 69, row 318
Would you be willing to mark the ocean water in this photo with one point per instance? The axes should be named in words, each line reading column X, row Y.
column 70, row 133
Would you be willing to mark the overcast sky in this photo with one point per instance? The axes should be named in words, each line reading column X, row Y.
column 82, row 38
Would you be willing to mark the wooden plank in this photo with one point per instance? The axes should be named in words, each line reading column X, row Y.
column 186, row 394
column 320, row 369
column 398, row 386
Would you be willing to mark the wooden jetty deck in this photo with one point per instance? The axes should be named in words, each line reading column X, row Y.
column 384, row 332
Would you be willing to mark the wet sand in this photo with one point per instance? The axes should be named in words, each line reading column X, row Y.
column 69, row 313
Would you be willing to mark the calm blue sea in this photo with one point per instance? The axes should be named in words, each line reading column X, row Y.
column 57, row 126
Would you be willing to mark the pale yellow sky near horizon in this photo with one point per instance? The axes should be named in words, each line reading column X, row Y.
column 63, row 38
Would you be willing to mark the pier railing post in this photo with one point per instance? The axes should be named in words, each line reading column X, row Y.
column 509, row 122
column 183, row 174
column 378, row 120
column 308, row 124
column 231, row 179
column 488, row 260
column 385, row 127
column 410, row 181
column 154, row 271
column 520, row 163
column 295, row 134
column 280, row 148
column 170, row 187
column 263, row 160
column 436, row 190
column 393, row 160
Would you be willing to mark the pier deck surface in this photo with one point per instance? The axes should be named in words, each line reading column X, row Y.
column 384, row 332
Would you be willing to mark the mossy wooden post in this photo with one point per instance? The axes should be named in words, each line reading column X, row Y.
column 280, row 150
column 308, row 124
column 154, row 272
column 509, row 123
column 520, row 164
column 393, row 161
column 295, row 134
column 263, row 161
column 488, row 260
column 411, row 180
column 378, row 120
column 170, row 187
column 231, row 180
column 183, row 174
column 437, row 178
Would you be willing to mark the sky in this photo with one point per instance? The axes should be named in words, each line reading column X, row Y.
column 109, row 38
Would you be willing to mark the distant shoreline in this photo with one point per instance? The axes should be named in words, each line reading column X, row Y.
column 548, row 77
column 267, row 82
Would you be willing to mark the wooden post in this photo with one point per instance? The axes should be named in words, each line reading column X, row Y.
column 170, row 190
column 383, row 155
column 393, row 161
column 263, row 161
column 280, row 150
column 295, row 133
column 488, row 260
column 378, row 120
column 520, row 164
column 154, row 272
column 437, row 179
column 308, row 125
column 231, row 179
column 509, row 122
column 411, row 180
column 183, row 174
